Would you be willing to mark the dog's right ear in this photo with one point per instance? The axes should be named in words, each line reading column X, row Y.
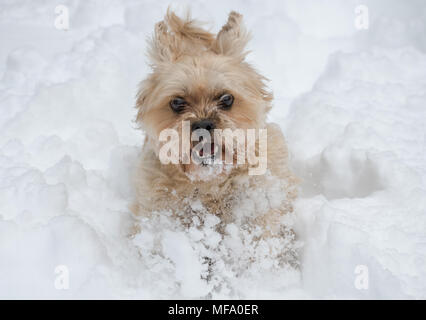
column 232, row 38
column 176, row 36
column 163, row 46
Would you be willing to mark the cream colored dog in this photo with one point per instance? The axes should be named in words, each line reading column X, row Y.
column 203, row 79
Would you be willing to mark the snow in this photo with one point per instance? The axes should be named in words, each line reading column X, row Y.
column 352, row 105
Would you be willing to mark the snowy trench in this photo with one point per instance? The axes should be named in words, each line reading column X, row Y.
column 351, row 103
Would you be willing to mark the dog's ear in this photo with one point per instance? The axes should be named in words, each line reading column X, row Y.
column 175, row 36
column 232, row 38
column 162, row 46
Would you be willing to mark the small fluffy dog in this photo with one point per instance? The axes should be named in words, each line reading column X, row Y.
column 203, row 80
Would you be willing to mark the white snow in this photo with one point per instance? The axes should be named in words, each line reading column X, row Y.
column 352, row 105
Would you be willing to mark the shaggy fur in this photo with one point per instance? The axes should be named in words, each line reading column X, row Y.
column 190, row 62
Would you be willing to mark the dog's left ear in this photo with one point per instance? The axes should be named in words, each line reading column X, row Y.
column 232, row 38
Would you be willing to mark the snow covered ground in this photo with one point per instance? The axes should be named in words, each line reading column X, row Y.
column 352, row 104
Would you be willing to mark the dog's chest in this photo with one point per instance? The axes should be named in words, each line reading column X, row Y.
column 242, row 197
column 214, row 200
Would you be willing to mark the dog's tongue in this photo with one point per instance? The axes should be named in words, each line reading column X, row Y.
column 211, row 150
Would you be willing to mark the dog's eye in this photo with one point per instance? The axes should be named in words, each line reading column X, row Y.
column 177, row 104
column 226, row 101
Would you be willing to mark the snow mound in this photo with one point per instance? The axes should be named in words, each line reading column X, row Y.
column 364, row 201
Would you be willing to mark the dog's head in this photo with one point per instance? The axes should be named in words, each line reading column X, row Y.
column 200, row 78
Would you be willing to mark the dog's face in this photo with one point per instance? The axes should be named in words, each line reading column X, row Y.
column 201, row 79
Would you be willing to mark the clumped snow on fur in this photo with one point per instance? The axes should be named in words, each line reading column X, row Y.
column 200, row 256
column 351, row 104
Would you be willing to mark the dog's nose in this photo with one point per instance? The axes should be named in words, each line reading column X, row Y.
column 206, row 124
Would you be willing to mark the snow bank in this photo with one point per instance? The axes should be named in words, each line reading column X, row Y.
column 363, row 170
column 351, row 104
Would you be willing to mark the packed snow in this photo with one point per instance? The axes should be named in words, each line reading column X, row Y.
column 351, row 103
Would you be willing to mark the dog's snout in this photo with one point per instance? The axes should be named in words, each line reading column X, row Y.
column 206, row 124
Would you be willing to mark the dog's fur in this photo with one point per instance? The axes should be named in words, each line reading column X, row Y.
column 190, row 62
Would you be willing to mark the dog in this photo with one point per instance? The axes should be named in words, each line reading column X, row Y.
column 201, row 81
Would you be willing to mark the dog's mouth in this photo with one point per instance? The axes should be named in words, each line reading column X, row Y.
column 207, row 163
column 207, row 155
